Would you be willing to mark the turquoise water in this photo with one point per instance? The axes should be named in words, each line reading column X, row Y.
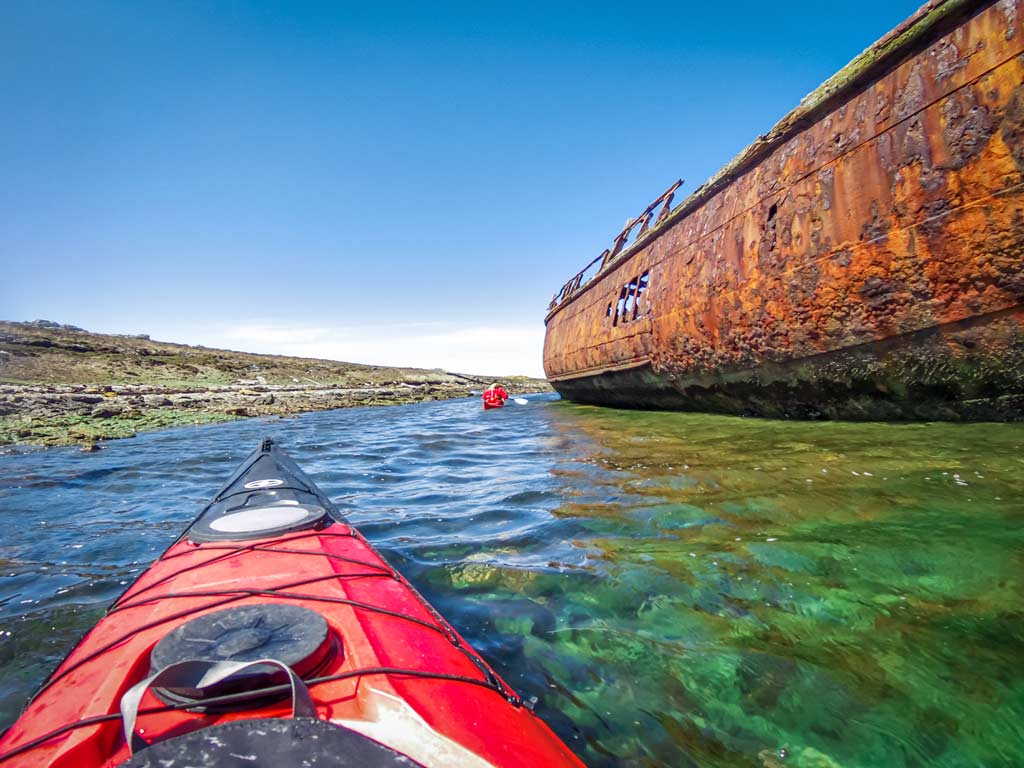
column 676, row 589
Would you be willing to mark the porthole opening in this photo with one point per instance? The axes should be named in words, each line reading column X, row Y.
column 630, row 304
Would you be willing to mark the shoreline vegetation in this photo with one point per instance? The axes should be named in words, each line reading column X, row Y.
column 62, row 385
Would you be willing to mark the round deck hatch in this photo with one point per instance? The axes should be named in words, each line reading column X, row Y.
column 258, row 522
column 259, row 519
column 297, row 636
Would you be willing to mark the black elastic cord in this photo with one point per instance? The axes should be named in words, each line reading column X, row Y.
column 232, row 551
column 233, row 698
column 236, row 595
column 127, row 601
column 276, row 592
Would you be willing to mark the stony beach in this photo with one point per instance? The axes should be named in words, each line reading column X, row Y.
column 62, row 385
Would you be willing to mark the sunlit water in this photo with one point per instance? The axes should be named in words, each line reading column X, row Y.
column 676, row 589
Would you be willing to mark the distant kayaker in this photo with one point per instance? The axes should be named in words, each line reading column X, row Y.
column 495, row 396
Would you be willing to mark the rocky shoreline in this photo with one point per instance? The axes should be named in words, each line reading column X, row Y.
column 64, row 415
column 40, row 406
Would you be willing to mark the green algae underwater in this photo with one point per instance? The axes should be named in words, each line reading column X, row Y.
column 768, row 593
column 676, row 589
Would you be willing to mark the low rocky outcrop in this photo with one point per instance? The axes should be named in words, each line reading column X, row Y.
column 61, row 385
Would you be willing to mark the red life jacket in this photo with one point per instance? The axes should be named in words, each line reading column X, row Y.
column 495, row 398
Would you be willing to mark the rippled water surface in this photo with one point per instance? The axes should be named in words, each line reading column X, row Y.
column 676, row 589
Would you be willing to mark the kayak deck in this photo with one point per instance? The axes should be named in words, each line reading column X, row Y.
column 394, row 670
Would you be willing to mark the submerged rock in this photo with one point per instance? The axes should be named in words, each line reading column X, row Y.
column 106, row 411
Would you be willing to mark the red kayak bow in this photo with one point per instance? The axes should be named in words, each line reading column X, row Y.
column 272, row 634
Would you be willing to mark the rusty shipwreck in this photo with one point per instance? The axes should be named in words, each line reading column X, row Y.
column 862, row 260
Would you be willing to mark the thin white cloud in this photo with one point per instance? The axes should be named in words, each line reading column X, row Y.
column 483, row 349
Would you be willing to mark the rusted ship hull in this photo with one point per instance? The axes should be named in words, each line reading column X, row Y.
column 863, row 260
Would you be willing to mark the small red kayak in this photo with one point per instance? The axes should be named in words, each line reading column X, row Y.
column 272, row 634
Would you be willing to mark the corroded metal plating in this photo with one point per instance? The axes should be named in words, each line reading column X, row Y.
column 863, row 260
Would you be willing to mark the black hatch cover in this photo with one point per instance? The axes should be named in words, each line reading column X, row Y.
column 290, row 634
column 271, row 743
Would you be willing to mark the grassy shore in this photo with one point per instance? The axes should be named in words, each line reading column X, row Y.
column 61, row 385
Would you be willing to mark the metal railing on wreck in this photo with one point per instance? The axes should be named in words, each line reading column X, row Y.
column 588, row 273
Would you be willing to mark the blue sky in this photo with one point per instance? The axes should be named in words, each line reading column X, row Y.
column 402, row 184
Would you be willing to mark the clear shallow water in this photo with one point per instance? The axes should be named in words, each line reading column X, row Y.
column 676, row 589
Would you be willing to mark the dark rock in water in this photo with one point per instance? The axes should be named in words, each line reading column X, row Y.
column 91, row 399
column 105, row 411
column 515, row 610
